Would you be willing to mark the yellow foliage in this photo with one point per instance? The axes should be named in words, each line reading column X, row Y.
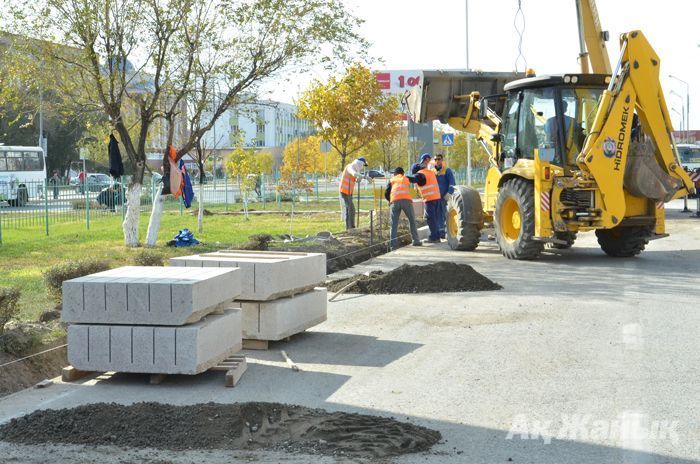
column 350, row 111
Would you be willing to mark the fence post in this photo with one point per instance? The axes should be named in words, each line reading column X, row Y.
column 316, row 174
column 87, row 203
column 46, row 205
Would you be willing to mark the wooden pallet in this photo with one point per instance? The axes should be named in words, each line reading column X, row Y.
column 253, row 344
column 235, row 366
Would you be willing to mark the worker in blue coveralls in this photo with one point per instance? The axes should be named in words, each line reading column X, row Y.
column 446, row 182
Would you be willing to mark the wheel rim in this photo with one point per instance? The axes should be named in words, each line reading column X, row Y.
column 510, row 220
column 452, row 222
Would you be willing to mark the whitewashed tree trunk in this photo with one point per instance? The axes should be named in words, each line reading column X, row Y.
column 154, row 221
column 200, row 214
column 131, row 218
column 245, row 204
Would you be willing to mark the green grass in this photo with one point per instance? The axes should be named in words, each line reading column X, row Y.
column 27, row 252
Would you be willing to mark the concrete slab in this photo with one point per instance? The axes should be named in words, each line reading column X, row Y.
column 142, row 295
column 284, row 317
column 190, row 349
column 266, row 275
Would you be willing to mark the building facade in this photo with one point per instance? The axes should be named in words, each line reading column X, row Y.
column 263, row 125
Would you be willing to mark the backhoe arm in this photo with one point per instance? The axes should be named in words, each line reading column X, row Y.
column 486, row 130
column 606, row 158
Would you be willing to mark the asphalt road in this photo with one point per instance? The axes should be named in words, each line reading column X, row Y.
column 590, row 359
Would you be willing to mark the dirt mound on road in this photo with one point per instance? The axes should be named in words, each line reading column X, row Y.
column 431, row 278
column 242, row 426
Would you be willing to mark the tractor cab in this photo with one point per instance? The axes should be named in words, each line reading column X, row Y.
column 552, row 114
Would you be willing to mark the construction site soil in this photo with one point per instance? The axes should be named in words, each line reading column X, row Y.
column 211, row 426
column 432, row 278
column 346, row 249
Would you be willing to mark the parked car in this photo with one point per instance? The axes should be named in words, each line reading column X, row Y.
column 96, row 182
column 372, row 173
column 112, row 196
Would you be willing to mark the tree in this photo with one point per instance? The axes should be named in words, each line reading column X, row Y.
column 389, row 152
column 457, row 158
column 265, row 162
column 299, row 158
column 242, row 166
column 143, row 61
column 350, row 111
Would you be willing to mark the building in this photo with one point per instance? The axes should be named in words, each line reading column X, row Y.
column 263, row 125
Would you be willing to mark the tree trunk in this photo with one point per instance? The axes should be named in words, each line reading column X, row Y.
column 130, row 225
column 154, row 221
column 200, row 214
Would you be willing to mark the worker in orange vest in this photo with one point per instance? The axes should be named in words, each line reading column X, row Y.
column 430, row 192
column 351, row 174
column 399, row 195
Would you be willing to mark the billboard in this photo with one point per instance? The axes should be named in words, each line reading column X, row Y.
column 400, row 82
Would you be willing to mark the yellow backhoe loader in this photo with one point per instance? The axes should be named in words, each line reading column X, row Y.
column 568, row 153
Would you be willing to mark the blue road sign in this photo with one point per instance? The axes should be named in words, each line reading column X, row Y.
column 448, row 140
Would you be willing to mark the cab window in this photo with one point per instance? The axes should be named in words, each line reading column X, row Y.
column 537, row 123
column 510, row 128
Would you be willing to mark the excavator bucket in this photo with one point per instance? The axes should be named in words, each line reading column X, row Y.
column 435, row 98
column 644, row 177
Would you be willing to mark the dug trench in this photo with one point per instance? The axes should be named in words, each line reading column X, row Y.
column 431, row 278
column 343, row 250
column 211, row 426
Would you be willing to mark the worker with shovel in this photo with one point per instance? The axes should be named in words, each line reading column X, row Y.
column 351, row 174
column 399, row 195
column 429, row 189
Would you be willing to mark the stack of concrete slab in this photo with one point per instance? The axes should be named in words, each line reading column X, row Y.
column 280, row 293
column 158, row 320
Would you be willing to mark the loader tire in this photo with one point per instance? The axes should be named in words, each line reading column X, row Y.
column 568, row 237
column 465, row 219
column 514, row 220
column 623, row 242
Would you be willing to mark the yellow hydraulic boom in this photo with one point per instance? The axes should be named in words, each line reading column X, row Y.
column 594, row 54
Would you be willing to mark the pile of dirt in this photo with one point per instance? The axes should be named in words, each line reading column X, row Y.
column 432, row 278
column 242, row 426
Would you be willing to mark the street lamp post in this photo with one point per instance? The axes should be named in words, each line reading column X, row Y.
column 680, row 98
column 680, row 113
column 687, row 105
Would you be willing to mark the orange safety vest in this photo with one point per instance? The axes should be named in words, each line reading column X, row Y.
column 347, row 183
column 399, row 188
column 431, row 189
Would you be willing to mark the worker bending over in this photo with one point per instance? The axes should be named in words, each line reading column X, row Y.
column 351, row 174
column 427, row 183
column 446, row 182
column 398, row 194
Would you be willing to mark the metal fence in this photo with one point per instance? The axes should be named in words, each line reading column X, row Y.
column 59, row 202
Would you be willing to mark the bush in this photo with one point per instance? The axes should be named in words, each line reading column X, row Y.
column 27, row 337
column 9, row 305
column 148, row 258
column 54, row 277
column 80, row 204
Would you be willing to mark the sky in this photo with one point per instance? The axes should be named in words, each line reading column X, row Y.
column 422, row 34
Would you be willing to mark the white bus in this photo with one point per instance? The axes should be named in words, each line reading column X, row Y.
column 22, row 174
